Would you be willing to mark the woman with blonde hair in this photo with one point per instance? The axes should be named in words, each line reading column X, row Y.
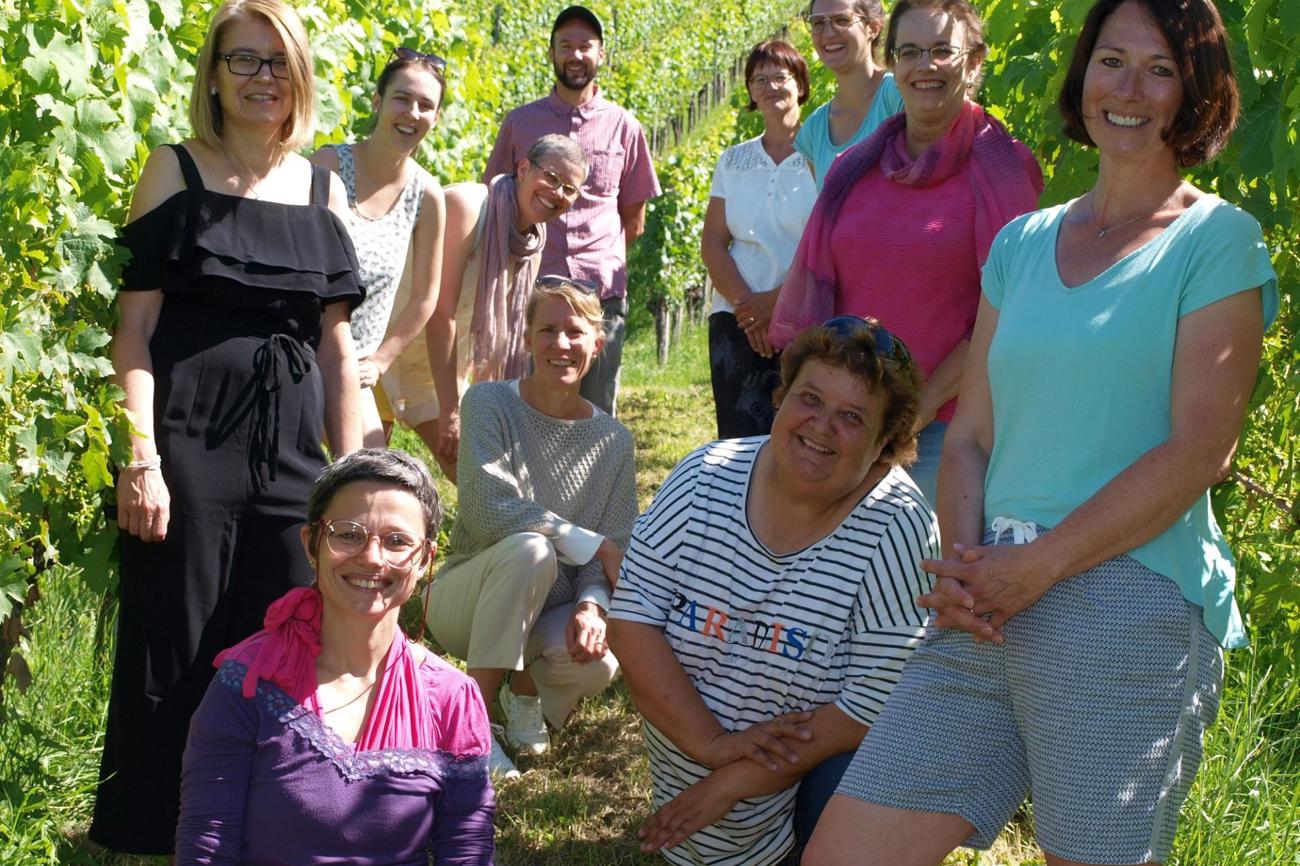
column 547, row 496
column 234, row 355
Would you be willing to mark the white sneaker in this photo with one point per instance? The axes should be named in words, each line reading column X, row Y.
column 500, row 766
column 525, row 725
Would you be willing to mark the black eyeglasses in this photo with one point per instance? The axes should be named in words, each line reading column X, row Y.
column 248, row 65
column 555, row 182
column 887, row 345
column 436, row 63
column 558, row 281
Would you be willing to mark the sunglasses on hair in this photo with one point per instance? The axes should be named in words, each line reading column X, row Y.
column 887, row 345
column 557, row 281
column 410, row 54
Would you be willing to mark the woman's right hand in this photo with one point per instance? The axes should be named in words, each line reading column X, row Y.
column 143, row 503
column 449, row 434
column 763, row 742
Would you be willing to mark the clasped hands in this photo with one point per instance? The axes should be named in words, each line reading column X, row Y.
column 768, row 744
column 754, row 315
column 980, row 587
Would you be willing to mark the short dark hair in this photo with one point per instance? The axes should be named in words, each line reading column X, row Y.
column 872, row 10
column 962, row 10
column 1199, row 43
column 383, row 465
column 899, row 380
column 782, row 54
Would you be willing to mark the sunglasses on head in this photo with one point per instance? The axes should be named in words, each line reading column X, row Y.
column 887, row 345
column 433, row 61
column 558, row 281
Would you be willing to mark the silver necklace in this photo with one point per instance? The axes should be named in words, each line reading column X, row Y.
column 243, row 172
column 1101, row 232
column 352, row 700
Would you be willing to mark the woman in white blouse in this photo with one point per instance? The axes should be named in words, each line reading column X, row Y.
column 761, row 197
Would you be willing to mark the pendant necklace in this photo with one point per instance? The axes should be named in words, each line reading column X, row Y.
column 243, row 172
column 1101, row 232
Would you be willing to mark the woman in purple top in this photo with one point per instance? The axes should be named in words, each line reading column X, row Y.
column 329, row 736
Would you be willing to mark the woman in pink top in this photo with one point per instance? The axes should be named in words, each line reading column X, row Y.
column 906, row 218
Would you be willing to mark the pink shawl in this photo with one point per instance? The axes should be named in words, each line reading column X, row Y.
column 497, row 329
column 285, row 651
column 1004, row 175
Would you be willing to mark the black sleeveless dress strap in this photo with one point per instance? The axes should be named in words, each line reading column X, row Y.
column 190, row 171
column 320, row 185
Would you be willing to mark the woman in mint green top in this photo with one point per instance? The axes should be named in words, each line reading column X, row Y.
column 1086, row 592
column 846, row 35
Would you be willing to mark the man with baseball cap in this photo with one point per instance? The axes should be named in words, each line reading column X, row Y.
column 590, row 241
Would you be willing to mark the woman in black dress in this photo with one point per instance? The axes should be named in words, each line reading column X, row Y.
column 236, row 359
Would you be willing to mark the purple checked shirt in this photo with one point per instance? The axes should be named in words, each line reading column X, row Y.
column 586, row 242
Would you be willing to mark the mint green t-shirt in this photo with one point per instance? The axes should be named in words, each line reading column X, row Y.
column 814, row 138
column 1081, row 378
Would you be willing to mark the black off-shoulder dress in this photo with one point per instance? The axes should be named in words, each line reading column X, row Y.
column 238, row 419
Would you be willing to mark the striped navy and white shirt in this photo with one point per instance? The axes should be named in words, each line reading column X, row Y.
column 760, row 634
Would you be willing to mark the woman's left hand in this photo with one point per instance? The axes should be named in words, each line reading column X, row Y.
column 585, row 634
column 754, row 315
column 368, row 372
column 998, row 580
column 689, row 812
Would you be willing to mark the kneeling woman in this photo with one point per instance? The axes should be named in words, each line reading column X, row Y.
column 328, row 736
column 766, row 605
column 547, row 489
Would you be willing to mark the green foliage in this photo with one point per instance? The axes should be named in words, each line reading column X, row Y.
column 88, row 89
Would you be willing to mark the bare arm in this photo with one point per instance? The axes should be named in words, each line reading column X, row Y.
column 942, row 384
column 710, row 799
column 143, row 500
column 426, row 266
column 752, row 315
column 338, row 369
column 633, row 218
column 461, row 222
column 663, row 694
column 1216, row 358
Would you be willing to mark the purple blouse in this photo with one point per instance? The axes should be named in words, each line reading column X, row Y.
column 266, row 781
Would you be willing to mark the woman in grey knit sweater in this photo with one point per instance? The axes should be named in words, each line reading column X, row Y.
column 547, row 497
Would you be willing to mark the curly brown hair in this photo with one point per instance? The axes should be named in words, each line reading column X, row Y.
column 859, row 352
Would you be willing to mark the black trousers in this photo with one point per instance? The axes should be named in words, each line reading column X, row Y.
column 238, row 424
column 743, row 380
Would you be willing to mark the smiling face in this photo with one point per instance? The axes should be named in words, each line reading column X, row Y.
column 408, row 108
column 842, row 50
column 829, row 428
column 932, row 92
column 771, row 97
column 252, row 100
column 1132, row 90
column 546, row 188
column 576, row 52
column 562, row 342
column 364, row 585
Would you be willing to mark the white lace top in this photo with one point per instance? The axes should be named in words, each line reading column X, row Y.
column 767, row 206
column 381, row 246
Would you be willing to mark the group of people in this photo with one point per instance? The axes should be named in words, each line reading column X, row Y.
column 954, row 541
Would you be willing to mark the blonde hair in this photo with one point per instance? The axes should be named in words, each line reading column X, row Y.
column 205, row 107
column 585, row 304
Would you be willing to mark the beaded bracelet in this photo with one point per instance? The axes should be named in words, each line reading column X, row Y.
column 154, row 462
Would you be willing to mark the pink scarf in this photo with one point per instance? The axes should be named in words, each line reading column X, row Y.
column 497, row 328
column 1004, row 176
column 285, row 651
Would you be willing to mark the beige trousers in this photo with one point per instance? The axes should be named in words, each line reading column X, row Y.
column 488, row 611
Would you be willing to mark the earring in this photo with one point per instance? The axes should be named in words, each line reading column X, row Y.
column 213, row 90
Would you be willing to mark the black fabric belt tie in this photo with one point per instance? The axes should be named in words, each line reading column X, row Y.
column 278, row 356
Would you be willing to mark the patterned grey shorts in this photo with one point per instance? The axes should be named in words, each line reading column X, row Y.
column 1097, row 702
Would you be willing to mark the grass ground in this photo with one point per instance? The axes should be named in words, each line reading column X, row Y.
column 582, row 802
